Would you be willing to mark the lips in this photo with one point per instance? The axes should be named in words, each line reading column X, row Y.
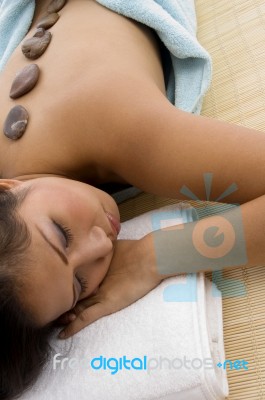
column 115, row 223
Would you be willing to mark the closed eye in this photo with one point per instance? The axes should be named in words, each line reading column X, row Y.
column 66, row 232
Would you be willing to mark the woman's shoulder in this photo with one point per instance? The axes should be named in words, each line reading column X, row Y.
column 92, row 88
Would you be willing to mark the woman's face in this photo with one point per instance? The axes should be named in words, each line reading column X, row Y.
column 72, row 243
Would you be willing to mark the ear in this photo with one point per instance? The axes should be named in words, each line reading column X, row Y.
column 7, row 184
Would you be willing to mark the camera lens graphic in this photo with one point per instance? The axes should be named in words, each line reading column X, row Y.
column 223, row 229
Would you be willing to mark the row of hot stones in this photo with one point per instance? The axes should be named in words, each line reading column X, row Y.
column 26, row 79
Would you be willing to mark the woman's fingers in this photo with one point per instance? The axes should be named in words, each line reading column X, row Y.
column 65, row 318
column 72, row 314
column 84, row 318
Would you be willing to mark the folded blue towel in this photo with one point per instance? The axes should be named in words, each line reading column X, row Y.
column 175, row 23
column 15, row 20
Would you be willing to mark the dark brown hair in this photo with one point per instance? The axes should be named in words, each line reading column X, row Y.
column 24, row 346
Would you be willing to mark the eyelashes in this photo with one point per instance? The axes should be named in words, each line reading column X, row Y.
column 68, row 236
column 83, row 283
column 67, row 233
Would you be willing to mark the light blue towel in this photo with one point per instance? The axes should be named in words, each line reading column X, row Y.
column 15, row 19
column 175, row 23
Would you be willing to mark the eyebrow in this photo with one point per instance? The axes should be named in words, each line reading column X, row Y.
column 54, row 247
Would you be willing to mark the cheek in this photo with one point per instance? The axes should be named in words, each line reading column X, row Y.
column 53, row 298
column 61, row 294
column 81, row 209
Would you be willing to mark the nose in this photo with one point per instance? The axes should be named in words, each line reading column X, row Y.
column 96, row 244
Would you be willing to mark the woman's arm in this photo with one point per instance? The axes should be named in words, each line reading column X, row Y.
column 162, row 148
column 138, row 266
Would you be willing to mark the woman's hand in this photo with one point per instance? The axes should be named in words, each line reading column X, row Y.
column 131, row 275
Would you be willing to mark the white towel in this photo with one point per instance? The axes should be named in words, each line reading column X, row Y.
column 181, row 331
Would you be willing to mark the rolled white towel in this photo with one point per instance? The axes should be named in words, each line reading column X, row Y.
column 177, row 344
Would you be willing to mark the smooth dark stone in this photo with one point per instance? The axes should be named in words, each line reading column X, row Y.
column 34, row 47
column 48, row 21
column 55, row 6
column 39, row 32
column 16, row 123
column 25, row 81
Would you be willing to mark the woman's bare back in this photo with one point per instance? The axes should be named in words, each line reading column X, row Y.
column 93, row 53
column 99, row 114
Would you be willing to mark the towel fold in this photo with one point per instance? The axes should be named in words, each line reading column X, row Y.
column 179, row 342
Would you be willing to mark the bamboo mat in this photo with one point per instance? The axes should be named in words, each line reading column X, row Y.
column 233, row 31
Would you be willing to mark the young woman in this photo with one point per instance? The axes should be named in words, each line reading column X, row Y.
column 99, row 114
